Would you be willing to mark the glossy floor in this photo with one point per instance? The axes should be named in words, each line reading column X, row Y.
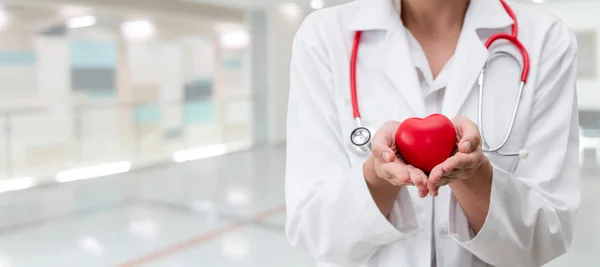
column 218, row 212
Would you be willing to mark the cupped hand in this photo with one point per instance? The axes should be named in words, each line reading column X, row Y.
column 466, row 163
column 389, row 164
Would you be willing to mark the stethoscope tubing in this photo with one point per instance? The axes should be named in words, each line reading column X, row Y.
column 512, row 38
column 353, row 60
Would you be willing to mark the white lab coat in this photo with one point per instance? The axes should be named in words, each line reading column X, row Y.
column 534, row 201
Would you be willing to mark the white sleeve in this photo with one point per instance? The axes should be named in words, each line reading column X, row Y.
column 330, row 211
column 532, row 212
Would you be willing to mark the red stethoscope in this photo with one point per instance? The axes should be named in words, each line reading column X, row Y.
column 361, row 136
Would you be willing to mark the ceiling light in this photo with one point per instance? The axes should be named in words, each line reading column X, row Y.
column 138, row 30
column 238, row 197
column 93, row 171
column 235, row 39
column 80, row 22
column 203, row 206
column 91, row 244
column 222, row 27
column 4, row 18
column 538, row 1
column 235, row 247
column 317, row 4
column 144, row 228
column 69, row 11
column 209, row 151
column 290, row 10
column 199, row 153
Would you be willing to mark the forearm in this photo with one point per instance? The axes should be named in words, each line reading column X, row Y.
column 473, row 195
column 383, row 193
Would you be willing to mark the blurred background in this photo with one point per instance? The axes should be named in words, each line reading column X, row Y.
column 151, row 132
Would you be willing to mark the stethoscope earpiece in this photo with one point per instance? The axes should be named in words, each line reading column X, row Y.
column 523, row 153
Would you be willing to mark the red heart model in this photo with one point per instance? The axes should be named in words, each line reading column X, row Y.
column 425, row 143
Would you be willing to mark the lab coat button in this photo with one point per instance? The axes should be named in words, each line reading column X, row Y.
column 444, row 229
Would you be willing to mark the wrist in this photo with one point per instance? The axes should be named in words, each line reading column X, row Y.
column 369, row 171
column 383, row 193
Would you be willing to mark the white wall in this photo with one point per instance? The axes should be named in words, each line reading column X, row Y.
column 582, row 15
column 54, row 72
column 18, row 86
column 281, row 31
column 50, row 88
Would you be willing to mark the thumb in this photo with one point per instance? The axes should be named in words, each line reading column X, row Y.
column 383, row 153
column 468, row 132
column 384, row 140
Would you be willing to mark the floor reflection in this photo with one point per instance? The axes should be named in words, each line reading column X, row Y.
column 224, row 211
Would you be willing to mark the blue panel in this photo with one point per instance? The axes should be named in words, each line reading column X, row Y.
column 232, row 63
column 146, row 114
column 199, row 89
column 199, row 112
column 90, row 53
column 58, row 30
column 173, row 134
column 93, row 79
column 17, row 58
column 203, row 81
column 104, row 93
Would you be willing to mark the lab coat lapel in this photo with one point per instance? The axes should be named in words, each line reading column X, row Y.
column 394, row 57
column 471, row 55
column 400, row 71
column 468, row 61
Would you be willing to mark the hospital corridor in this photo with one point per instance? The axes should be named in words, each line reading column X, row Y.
column 153, row 132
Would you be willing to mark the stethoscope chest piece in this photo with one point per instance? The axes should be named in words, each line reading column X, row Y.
column 360, row 140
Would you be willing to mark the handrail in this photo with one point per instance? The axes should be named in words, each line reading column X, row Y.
column 10, row 115
column 117, row 104
column 22, row 110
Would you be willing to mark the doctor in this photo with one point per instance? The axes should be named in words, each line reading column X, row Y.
column 419, row 57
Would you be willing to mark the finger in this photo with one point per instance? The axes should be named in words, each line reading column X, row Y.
column 384, row 173
column 446, row 181
column 440, row 173
column 460, row 161
column 400, row 160
column 423, row 193
column 384, row 140
column 469, row 135
column 386, row 135
column 417, row 177
column 434, row 192
column 434, row 177
column 431, row 188
column 394, row 173
column 443, row 182
column 452, row 163
column 383, row 153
